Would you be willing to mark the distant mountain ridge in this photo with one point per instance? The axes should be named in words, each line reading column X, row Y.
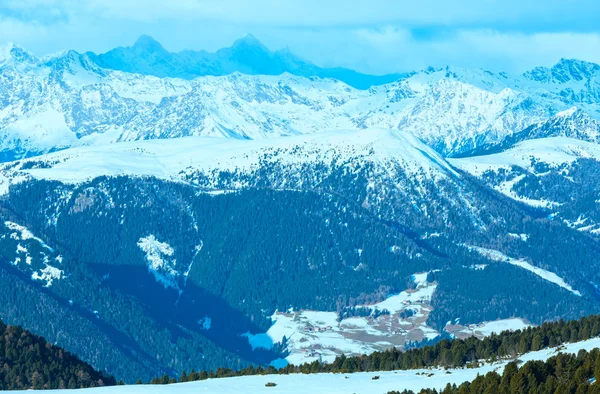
column 572, row 123
column 68, row 100
column 247, row 55
column 565, row 70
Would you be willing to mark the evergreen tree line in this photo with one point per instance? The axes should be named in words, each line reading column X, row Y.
column 561, row 374
column 27, row 361
column 362, row 311
column 445, row 353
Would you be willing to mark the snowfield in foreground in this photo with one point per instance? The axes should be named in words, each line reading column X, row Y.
column 358, row 383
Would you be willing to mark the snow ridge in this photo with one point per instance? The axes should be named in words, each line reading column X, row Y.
column 173, row 159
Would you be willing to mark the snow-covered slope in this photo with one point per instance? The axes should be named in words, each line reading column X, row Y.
column 359, row 383
column 175, row 158
column 318, row 335
column 553, row 151
column 68, row 100
column 557, row 173
column 30, row 254
column 572, row 123
column 542, row 273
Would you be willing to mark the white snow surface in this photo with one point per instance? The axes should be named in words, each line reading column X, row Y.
column 522, row 237
column 542, row 273
column 21, row 232
column 161, row 263
column 47, row 273
column 496, row 327
column 172, row 158
column 449, row 108
column 553, row 151
column 358, row 383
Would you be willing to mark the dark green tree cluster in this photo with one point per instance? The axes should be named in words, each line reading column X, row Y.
column 446, row 353
column 501, row 291
column 561, row 374
column 29, row 362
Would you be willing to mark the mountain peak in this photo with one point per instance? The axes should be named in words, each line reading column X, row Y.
column 12, row 51
column 148, row 43
column 577, row 68
column 249, row 41
column 564, row 71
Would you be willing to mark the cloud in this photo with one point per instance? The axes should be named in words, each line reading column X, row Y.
column 374, row 36
column 20, row 31
column 512, row 14
column 394, row 48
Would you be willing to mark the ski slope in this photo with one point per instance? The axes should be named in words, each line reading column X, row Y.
column 358, row 383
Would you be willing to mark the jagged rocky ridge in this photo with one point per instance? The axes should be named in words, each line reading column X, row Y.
column 71, row 99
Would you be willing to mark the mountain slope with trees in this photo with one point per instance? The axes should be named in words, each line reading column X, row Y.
column 29, row 362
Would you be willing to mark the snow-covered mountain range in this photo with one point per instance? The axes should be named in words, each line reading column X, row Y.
column 558, row 173
column 74, row 99
column 184, row 170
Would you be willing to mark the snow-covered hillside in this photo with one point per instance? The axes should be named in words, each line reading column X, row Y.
column 68, row 100
column 358, row 383
column 390, row 171
column 572, row 123
column 553, row 151
column 30, row 254
column 318, row 335
column 557, row 173
column 173, row 159
column 542, row 273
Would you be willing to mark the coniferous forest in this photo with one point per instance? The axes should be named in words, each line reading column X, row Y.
column 455, row 353
column 29, row 362
column 561, row 374
column 91, row 233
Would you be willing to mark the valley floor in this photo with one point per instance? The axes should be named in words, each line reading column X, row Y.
column 336, row 383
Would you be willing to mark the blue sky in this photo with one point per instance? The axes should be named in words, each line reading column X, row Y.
column 375, row 36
